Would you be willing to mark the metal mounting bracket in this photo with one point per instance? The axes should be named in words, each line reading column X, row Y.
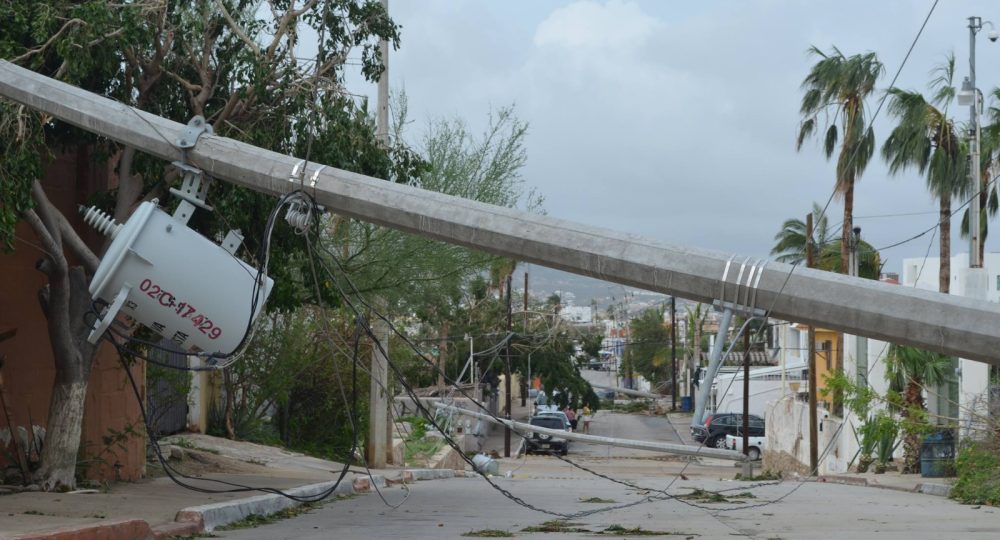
column 744, row 298
column 193, row 191
column 188, row 138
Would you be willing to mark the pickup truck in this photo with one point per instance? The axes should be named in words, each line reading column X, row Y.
column 757, row 445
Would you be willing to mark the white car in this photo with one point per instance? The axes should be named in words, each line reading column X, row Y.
column 757, row 445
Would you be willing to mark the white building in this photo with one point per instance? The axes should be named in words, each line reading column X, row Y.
column 967, row 395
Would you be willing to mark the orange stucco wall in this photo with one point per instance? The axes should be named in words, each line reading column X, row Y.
column 28, row 370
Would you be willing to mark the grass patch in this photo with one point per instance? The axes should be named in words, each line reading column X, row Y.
column 557, row 526
column 978, row 468
column 489, row 533
column 422, row 449
column 705, row 496
column 184, row 443
column 256, row 520
column 639, row 531
column 766, row 475
column 596, row 500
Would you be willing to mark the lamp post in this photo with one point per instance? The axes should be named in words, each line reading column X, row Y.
column 969, row 96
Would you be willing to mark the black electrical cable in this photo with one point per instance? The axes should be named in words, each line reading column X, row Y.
column 175, row 475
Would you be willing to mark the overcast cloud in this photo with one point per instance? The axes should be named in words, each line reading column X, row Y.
column 674, row 120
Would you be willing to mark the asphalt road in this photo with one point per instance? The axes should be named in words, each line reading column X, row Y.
column 547, row 485
column 452, row 508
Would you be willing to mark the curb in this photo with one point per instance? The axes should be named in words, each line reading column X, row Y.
column 126, row 529
column 206, row 518
column 211, row 516
column 927, row 488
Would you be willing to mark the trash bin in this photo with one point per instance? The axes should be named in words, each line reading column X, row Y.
column 686, row 403
column 937, row 455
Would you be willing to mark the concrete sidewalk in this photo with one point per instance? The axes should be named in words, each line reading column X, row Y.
column 159, row 508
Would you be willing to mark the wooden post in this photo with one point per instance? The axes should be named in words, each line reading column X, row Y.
column 813, row 442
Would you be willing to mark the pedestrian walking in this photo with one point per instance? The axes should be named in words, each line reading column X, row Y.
column 586, row 419
column 571, row 416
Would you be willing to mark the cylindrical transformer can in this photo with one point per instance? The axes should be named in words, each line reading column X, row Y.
column 179, row 283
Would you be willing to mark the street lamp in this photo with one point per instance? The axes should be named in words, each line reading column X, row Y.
column 969, row 96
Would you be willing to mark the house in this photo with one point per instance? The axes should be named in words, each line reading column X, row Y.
column 28, row 367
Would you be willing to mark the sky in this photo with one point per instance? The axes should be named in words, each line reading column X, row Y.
column 677, row 120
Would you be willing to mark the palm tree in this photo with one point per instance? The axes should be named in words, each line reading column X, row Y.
column 835, row 92
column 908, row 370
column 790, row 242
column 790, row 247
column 926, row 138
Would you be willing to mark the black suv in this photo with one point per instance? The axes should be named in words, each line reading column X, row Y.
column 717, row 426
column 534, row 442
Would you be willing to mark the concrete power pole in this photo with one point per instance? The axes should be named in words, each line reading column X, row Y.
column 948, row 324
column 673, row 353
column 379, row 426
column 526, row 384
column 813, row 436
column 507, row 400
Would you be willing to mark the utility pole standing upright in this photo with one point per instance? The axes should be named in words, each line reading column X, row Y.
column 747, row 466
column 379, row 426
column 673, row 352
column 526, row 385
column 507, row 400
column 975, row 255
column 813, row 442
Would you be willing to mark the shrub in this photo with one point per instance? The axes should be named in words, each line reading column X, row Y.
column 978, row 467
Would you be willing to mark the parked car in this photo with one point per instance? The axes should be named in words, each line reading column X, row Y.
column 756, row 444
column 561, row 415
column 535, row 441
column 544, row 403
column 716, row 426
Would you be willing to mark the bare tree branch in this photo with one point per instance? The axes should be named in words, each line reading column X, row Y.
column 40, row 49
column 76, row 244
column 240, row 33
column 53, row 252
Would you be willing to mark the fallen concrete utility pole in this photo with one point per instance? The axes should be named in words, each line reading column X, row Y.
column 948, row 324
column 629, row 392
column 652, row 446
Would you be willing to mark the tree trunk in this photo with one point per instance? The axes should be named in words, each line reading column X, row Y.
column 442, row 355
column 227, row 381
column 944, row 273
column 62, row 437
column 911, row 439
column 845, row 232
column 65, row 302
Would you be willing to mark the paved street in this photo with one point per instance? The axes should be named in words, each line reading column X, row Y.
column 450, row 508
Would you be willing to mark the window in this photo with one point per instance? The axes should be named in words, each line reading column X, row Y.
column 998, row 282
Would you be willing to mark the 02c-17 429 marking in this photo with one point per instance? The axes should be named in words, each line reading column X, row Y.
column 184, row 309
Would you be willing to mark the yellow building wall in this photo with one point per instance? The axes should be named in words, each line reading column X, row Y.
column 826, row 362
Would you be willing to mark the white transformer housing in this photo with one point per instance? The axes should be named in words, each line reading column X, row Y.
column 176, row 282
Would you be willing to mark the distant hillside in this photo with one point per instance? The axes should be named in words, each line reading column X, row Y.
column 543, row 281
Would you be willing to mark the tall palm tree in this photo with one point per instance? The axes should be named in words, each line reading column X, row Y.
column 790, row 242
column 908, row 370
column 836, row 89
column 926, row 139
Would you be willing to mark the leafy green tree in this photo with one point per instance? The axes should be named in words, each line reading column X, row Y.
column 909, row 370
column 227, row 60
column 648, row 349
column 927, row 139
column 836, row 89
